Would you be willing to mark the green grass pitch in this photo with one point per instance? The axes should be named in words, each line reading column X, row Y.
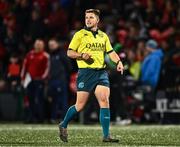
column 85, row 135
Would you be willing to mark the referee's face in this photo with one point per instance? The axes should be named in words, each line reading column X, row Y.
column 91, row 20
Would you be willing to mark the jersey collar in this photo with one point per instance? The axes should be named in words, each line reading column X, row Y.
column 93, row 32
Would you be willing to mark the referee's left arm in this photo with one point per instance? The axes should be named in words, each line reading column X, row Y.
column 115, row 58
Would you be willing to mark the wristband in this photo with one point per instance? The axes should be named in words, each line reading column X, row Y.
column 118, row 62
column 82, row 55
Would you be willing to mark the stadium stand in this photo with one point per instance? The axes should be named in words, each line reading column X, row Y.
column 129, row 23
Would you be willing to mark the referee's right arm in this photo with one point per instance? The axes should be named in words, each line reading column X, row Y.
column 73, row 54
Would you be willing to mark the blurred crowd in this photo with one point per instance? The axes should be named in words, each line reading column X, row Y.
column 34, row 36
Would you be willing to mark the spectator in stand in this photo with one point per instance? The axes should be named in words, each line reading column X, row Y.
column 11, row 41
column 169, row 16
column 150, row 72
column 133, row 64
column 22, row 10
column 152, row 14
column 2, row 66
column 171, row 64
column 56, row 21
column 140, row 50
column 36, row 69
column 42, row 6
column 4, row 7
column 58, row 79
column 33, row 30
column 14, row 83
column 13, row 74
column 36, row 27
column 151, row 65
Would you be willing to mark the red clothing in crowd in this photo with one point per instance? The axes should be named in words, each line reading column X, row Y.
column 36, row 64
column 14, row 69
column 4, row 8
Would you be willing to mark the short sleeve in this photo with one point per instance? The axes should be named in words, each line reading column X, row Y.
column 75, row 42
column 108, row 45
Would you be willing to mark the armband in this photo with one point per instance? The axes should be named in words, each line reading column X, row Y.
column 118, row 62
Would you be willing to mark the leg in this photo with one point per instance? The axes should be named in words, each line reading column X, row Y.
column 81, row 100
column 54, row 92
column 31, row 96
column 102, row 94
column 40, row 101
column 57, row 99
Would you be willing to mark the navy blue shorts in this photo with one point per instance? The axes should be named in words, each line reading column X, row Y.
column 89, row 78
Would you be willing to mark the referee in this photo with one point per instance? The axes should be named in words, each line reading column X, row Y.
column 89, row 46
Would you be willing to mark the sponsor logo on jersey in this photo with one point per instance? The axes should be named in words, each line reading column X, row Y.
column 96, row 46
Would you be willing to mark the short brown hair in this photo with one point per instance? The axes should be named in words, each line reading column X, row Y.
column 95, row 11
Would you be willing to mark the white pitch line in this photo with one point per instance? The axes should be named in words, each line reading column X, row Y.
column 47, row 128
column 84, row 127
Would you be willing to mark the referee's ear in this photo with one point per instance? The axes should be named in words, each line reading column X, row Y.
column 97, row 19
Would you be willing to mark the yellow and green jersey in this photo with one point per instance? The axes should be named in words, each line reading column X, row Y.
column 97, row 45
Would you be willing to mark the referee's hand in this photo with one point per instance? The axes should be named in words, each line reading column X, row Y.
column 85, row 56
column 120, row 67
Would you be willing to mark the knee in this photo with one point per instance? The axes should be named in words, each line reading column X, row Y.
column 104, row 102
column 79, row 107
